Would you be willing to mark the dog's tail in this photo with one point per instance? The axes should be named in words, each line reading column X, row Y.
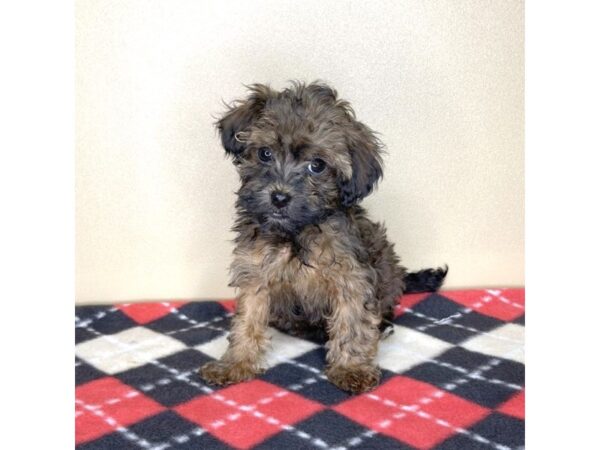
column 427, row 280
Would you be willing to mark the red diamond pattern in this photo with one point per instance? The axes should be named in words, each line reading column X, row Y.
column 144, row 313
column 408, row 301
column 515, row 406
column 247, row 413
column 105, row 404
column 414, row 412
column 503, row 304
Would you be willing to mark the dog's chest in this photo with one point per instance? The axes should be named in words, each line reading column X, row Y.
column 284, row 266
column 303, row 275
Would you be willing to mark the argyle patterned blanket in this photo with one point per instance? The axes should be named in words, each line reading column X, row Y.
column 453, row 378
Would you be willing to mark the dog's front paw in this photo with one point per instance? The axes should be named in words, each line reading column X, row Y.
column 355, row 379
column 223, row 373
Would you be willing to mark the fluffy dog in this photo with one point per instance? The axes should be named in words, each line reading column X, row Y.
column 307, row 257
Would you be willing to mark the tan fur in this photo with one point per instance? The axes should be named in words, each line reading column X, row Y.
column 325, row 265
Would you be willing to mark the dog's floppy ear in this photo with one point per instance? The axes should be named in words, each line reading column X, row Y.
column 240, row 116
column 365, row 153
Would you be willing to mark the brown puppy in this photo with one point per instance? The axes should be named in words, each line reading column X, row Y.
column 306, row 254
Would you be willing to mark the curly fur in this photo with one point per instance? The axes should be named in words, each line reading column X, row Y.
column 315, row 264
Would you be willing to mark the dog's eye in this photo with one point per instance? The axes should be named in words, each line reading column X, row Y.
column 316, row 166
column 265, row 154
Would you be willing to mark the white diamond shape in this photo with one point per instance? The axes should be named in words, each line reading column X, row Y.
column 504, row 342
column 128, row 349
column 407, row 348
column 283, row 347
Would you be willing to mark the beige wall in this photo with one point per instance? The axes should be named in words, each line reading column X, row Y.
column 441, row 80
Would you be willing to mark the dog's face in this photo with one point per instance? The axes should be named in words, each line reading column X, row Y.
column 300, row 153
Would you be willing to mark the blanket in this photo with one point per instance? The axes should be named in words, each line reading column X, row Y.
column 452, row 378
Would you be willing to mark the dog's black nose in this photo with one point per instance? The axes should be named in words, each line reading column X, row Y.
column 280, row 199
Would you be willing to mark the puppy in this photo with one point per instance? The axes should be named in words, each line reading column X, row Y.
column 307, row 257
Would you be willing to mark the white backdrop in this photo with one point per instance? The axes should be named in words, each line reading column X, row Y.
column 442, row 81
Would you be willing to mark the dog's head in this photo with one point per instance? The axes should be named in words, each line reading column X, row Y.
column 300, row 153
